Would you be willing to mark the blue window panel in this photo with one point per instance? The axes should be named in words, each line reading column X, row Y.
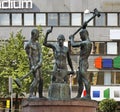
column 107, row 63
column 96, row 94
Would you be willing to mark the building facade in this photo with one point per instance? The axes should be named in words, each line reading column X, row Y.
column 66, row 16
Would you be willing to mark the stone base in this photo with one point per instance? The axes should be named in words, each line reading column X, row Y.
column 38, row 105
column 59, row 91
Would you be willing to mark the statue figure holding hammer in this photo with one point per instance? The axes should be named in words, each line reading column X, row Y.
column 34, row 52
column 85, row 50
column 61, row 55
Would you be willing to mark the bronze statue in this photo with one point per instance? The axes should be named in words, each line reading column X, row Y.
column 61, row 54
column 34, row 52
column 85, row 50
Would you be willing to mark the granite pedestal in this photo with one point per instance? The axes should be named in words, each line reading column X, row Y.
column 58, row 100
column 38, row 105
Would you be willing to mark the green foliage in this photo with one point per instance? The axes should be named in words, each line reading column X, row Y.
column 108, row 105
column 13, row 61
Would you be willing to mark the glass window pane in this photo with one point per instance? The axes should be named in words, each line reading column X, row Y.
column 111, row 47
column 76, row 19
column 28, row 19
column 41, row 19
column 87, row 17
column 16, row 19
column 53, row 19
column 112, row 19
column 100, row 78
column 101, row 21
column 99, row 48
column 64, row 19
column 118, row 78
column 4, row 19
column 115, row 78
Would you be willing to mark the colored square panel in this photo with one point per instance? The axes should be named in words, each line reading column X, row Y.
column 98, row 62
column 96, row 94
column 107, row 63
column 107, row 93
column 116, row 62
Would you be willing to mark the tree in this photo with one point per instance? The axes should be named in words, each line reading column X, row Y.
column 13, row 61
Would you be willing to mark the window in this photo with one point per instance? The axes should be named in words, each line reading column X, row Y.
column 111, row 47
column 87, row 17
column 100, row 78
column 4, row 19
column 112, row 19
column 41, row 19
column 101, row 21
column 99, row 48
column 58, row 19
column 115, row 78
column 76, row 19
column 64, row 19
column 29, row 19
column 52, row 19
column 16, row 19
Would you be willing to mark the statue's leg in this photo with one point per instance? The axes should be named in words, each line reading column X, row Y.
column 34, row 83
column 39, row 84
column 80, row 85
column 32, row 86
column 85, row 80
column 87, row 87
column 40, row 88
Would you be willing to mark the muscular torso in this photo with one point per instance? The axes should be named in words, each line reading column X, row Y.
column 33, row 52
column 60, row 54
column 85, row 50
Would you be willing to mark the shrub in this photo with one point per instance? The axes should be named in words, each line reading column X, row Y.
column 108, row 105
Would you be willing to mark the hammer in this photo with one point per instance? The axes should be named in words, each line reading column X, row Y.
column 18, row 81
column 95, row 13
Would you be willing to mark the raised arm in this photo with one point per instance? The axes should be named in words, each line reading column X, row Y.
column 45, row 43
column 73, row 43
